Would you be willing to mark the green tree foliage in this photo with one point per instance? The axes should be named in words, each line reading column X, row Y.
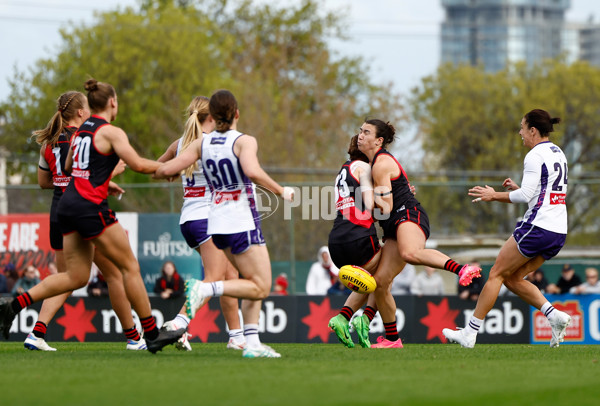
column 300, row 100
column 469, row 122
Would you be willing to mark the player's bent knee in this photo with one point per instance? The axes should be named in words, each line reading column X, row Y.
column 410, row 257
column 513, row 281
column 383, row 281
column 77, row 282
column 263, row 295
column 263, row 291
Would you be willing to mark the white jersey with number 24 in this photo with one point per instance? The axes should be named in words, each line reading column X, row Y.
column 544, row 188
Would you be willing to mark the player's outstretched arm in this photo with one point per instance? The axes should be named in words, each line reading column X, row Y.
column 170, row 153
column 120, row 144
column 183, row 160
column 246, row 148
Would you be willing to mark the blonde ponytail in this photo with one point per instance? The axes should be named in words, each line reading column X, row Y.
column 197, row 113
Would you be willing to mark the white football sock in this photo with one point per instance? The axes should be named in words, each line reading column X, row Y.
column 181, row 321
column 237, row 335
column 212, row 289
column 251, row 335
column 473, row 326
column 548, row 310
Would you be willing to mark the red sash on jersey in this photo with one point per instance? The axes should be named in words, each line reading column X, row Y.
column 348, row 209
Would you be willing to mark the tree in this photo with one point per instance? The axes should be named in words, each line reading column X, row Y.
column 301, row 102
column 469, row 123
column 291, row 90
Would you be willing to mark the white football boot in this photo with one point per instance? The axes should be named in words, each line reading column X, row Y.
column 461, row 337
column 264, row 351
column 35, row 343
column 559, row 325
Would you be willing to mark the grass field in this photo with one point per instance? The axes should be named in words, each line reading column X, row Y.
column 307, row 374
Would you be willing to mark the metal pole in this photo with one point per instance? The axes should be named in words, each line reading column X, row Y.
column 292, row 252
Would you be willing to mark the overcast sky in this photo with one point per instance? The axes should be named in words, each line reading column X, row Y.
column 399, row 38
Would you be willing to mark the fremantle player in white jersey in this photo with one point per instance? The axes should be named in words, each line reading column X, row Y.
column 538, row 237
column 194, row 221
column 230, row 163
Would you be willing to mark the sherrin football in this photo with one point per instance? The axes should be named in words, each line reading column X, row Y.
column 357, row 279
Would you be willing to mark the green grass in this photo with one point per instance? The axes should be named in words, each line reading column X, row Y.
column 307, row 374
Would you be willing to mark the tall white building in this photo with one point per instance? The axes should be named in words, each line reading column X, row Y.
column 494, row 33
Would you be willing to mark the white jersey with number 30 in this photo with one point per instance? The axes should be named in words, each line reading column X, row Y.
column 544, row 188
column 233, row 208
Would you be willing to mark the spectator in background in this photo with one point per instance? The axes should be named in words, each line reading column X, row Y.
column 97, row 285
column 338, row 288
column 538, row 279
column 170, row 284
column 591, row 284
column 27, row 281
column 428, row 282
column 322, row 274
column 472, row 291
column 281, row 285
column 52, row 269
column 567, row 280
column 12, row 276
column 3, row 287
column 403, row 281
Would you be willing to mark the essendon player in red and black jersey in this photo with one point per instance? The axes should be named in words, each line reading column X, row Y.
column 353, row 238
column 350, row 207
column 406, row 227
column 87, row 222
column 403, row 200
column 55, row 139
column 55, row 157
column 52, row 173
column 92, row 169
column 72, row 110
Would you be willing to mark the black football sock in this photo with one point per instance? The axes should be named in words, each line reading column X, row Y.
column 132, row 334
column 347, row 312
column 21, row 302
column 452, row 266
column 39, row 330
column 391, row 332
column 149, row 326
column 370, row 312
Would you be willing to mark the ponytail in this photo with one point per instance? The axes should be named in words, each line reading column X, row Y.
column 384, row 130
column 197, row 113
column 99, row 93
column 223, row 107
column 541, row 120
column 67, row 106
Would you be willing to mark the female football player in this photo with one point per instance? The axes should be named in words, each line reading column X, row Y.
column 230, row 163
column 539, row 236
column 86, row 221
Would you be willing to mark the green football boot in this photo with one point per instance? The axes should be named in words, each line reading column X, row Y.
column 361, row 325
column 339, row 325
